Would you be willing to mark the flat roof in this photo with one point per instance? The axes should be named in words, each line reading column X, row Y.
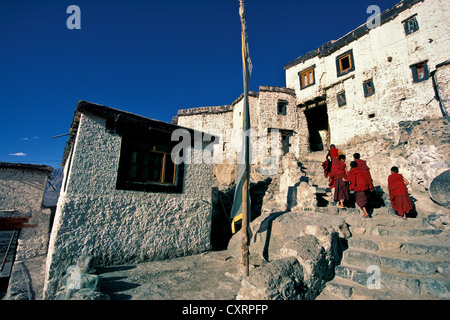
column 27, row 167
column 334, row 45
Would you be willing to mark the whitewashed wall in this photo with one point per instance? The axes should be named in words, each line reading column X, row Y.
column 263, row 115
column 385, row 54
column 118, row 226
column 23, row 191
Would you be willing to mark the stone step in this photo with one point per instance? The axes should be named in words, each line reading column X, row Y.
column 437, row 247
column 417, row 265
column 394, row 232
column 397, row 283
column 381, row 219
column 345, row 289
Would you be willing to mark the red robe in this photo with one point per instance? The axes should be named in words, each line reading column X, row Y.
column 338, row 172
column 398, row 193
column 358, row 180
column 334, row 153
column 326, row 165
column 362, row 165
column 360, row 184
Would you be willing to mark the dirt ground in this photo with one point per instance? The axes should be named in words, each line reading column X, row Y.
column 212, row 275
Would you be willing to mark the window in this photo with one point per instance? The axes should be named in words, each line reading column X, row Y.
column 146, row 165
column 285, row 136
column 369, row 89
column 342, row 101
column 307, row 78
column 420, row 71
column 345, row 63
column 411, row 25
column 282, row 106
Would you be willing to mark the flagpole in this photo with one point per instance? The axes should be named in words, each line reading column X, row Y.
column 246, row 121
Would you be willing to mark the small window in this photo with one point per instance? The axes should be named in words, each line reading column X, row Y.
column 420, row 72
column 369, row 89
column 345, row 63
column 307, row 78
column 282, row 106
column 146, row 165
column 342, row 101
column 411, row 25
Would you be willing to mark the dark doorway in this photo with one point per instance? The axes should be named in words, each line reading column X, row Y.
column 317, row 118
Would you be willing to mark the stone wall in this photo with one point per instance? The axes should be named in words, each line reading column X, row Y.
column 442, row 77
column 420, row 149
column 22, row 190
column 226, row 122
column 118, row 226
column 383, row 54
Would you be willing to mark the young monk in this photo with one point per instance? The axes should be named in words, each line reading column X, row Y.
column 361, row 185
column 339, row 176
column 362, row 165
column 331, row 159
column 333, row 153
column 398, row 193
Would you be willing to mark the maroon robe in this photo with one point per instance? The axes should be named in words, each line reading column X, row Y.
column 334, row 153
column 398, row 193
column 360, row 184
column 339, row 172
column 326, row 165
column 362, row 165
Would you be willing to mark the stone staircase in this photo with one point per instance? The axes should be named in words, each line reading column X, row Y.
column 386, row 257
column 391, row 258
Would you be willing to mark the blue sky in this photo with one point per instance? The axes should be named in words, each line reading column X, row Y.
column 146, row 57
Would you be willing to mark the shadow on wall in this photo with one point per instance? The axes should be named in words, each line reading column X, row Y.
column 222, row 204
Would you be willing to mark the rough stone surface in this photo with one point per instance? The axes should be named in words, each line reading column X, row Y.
column 22, row 190
column 213, row 275
column 311, row 237
column 312, row 257
column 440, row 189
column 270, row 233
column 264, row 115
column 279, row 280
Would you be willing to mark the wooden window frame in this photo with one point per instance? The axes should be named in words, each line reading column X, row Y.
column 418, row 69
column 282, row 107
column 369, row 88
column 341, row 98
column 411, row 25
column 341, row 71
column 141, row 180
column 310, row 77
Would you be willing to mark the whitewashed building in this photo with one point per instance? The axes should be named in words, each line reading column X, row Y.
column 361, row 85
column 122, row 198
column 274, row 120
column 366, row 82
column 22, row 189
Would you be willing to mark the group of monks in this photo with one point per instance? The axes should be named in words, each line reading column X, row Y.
column 359, row 180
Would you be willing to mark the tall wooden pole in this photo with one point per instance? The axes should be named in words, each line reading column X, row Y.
column 246, row 149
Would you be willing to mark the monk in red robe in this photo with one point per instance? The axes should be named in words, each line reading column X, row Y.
column 362, row 165
column 339, row 176
column 331, row 159
column 398, row 193
column 360, row 184
column 333, row 153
